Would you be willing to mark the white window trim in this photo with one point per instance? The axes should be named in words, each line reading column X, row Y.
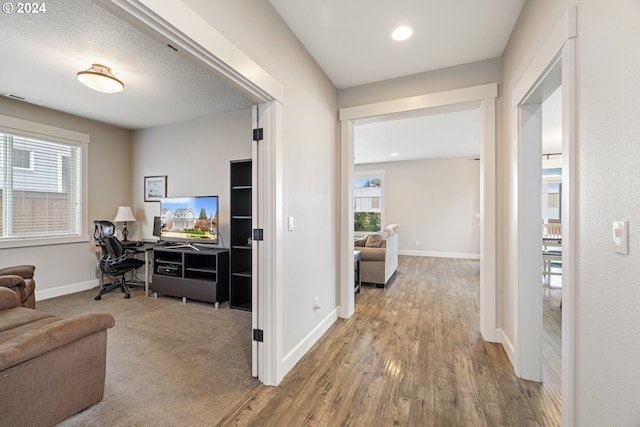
column 371, row 174
column 41, row 131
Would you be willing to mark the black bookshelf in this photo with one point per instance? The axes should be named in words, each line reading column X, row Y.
column 241, row 239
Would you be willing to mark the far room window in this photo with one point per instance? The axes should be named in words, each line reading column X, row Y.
column 22, row 159
column 41, row 189
column 368, row 203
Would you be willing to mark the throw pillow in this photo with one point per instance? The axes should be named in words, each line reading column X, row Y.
column 374, row 240
column 360, row 242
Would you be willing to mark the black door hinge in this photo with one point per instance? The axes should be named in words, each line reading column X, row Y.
column 257, row 134
column 258, row 234
column 258, row 335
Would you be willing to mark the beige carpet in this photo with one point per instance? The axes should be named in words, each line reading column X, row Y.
column 168, row 363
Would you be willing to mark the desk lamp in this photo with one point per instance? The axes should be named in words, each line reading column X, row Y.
column 124, row 214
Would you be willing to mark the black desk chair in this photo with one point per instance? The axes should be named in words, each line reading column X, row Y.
column 114, row 260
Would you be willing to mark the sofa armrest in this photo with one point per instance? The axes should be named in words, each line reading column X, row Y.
column 52, row 336
column 24, row 271
column 12, row 281
column 372, row 254
column 8, row 299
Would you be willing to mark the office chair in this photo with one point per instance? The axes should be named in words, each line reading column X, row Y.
column 114, row 261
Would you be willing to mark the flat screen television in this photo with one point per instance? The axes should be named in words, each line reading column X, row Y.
column 187, row 221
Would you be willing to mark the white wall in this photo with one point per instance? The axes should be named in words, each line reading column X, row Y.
column 608, row 107
column 434, row 201
column 194, row 155
column 310, row 159
column 460, row 76
column 62, row 269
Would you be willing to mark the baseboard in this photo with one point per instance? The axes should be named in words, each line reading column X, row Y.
column 439, row 254
column 508, row 348
column 66, row 289
column 307, row 342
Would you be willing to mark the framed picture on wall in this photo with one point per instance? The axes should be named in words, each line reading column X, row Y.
column 155, row 188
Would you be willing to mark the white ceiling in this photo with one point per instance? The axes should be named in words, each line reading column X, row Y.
column 423, row 135
column 349, row 40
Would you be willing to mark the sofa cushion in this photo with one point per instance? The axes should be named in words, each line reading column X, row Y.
column 374, row 240
column 373, row 254
column 50, row 334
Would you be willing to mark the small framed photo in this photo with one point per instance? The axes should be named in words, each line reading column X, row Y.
column 155, row 188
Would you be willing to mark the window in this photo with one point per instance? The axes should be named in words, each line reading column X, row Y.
column 368, row 201
column 42, row 186
column 22, row 159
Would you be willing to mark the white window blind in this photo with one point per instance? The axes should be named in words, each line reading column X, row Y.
column 41, row 187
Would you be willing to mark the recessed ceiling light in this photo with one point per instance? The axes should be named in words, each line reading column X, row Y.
column 401, row 33
column 394, row 154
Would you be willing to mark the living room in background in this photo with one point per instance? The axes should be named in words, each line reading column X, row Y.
column 368, row 202
column 41, row 190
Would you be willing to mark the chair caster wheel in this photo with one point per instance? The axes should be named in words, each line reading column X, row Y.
column 127, row 296
column 98, row 298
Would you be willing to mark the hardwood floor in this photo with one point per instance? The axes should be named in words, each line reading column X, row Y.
column 411, row 355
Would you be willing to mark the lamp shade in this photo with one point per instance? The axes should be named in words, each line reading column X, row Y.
column 124, row 214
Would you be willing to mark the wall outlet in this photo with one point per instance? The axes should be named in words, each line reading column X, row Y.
column 417, row 242
column 316, row 304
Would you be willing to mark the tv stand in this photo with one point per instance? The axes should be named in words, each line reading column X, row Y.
column 202, row 275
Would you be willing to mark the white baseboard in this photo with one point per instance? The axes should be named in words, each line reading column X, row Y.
column 439, row 254
column 508, row 348
column 307, row 342
column 66, row 289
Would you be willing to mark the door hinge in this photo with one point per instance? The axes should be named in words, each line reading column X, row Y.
column 258, row 234
column 258, row 335
column 257, row 134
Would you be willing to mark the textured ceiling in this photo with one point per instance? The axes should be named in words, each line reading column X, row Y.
column 41, row 54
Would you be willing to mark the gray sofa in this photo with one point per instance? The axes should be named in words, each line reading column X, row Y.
column 50, row 368
column 379, row 255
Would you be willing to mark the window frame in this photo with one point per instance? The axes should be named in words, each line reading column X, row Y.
column 370, row 174
column 29, row 129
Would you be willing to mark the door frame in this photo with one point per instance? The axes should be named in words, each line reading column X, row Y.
column 482, row 97
column 177, row 24
column 554, row 64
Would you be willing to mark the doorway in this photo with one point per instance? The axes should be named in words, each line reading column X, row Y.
column 554, row 67
column 482, row 97
column 174, row 24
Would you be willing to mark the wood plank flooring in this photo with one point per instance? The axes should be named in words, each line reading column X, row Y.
column 411, row 355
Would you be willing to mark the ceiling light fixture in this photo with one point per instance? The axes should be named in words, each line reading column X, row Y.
column 100, row 78
column 394, row 154
column 401, row 33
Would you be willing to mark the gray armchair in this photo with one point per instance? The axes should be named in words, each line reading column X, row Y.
column 20, row 280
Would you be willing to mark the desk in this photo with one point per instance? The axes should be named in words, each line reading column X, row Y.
column 147, row 248
column 357, row 258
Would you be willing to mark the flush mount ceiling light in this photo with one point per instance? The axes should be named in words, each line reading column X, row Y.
column 100, row 78
column 401, row 33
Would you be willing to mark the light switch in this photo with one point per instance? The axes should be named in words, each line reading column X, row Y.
column 620, row 237
column 290, row 223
